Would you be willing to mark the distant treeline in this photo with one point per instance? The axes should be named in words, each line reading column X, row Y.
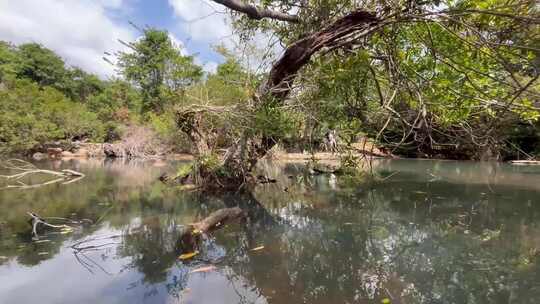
column 43, row 100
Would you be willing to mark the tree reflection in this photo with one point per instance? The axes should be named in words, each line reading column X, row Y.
column 409, row 240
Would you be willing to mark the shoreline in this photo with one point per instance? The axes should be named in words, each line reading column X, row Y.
column 285, row 156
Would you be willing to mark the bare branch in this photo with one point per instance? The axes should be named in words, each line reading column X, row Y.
column 255, row 12
column 25, row 169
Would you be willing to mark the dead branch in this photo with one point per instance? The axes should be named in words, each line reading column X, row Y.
column 36, row 220
column 137, row 143
column 25, row 169
column 217, row 219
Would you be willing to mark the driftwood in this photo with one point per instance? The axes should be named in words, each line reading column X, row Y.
column 36, row 220
column 218, row 218
column 525, row 162
column 24, row 169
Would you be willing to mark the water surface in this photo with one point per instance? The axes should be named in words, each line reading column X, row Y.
column 433, row 232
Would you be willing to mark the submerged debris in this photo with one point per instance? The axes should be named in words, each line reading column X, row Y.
column 187, row 256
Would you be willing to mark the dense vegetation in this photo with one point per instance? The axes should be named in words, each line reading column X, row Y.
column 449, row 79
column 43, row 101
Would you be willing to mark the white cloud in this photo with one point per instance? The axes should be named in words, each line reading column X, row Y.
column 79, row 31
column 210, row 67
column 207, row 22
column 204, row 21
column 178, row 44
column 111, row 3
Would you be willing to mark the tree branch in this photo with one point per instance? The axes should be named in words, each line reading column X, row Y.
column 255, row 12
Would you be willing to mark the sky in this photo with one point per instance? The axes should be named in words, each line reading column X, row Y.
column 81, row 31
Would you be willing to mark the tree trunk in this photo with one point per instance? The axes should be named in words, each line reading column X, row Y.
column 190, row 121
column 279, row 83
column 242, row 158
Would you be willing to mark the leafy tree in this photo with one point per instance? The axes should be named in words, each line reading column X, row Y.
column 7, row 60
column 32, row 115
column 40, row 65
column 34, row 62
column 80, row 86
column 158, row 68
column 118, row 101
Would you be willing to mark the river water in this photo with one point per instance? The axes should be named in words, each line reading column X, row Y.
column 421, row 232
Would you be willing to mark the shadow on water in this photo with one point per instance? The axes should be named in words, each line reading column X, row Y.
column 436, row 232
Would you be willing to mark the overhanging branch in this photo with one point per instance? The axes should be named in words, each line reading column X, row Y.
column 255, row 12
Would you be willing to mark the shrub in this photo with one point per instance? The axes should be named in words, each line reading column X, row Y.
column 31, row 115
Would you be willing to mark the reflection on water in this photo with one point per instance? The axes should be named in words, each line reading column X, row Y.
column 436, row 232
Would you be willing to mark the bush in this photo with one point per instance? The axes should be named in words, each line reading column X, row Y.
column 165, row 127
column 31, row 115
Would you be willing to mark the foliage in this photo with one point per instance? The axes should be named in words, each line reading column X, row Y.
column 449, row 85
column 38, row 64
column 166, row 129
column 118, row 101
column 31, row 116
column 43, row 100
column 158, row 67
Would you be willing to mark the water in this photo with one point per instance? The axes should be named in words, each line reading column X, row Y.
column 435, row 232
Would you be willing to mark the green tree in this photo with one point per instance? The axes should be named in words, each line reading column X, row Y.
column 32, row 115
column 80, row 86
column 8, row 57
column 40, row 65
column 158, row 68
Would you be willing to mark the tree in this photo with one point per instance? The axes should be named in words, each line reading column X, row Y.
column 40, row 65
column 80, row 86
column 7, row 60
column 402, row 42
column 32, row 116
column 158, row 68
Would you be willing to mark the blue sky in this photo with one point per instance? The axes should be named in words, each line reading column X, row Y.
column 161, row 14
column 82, row 30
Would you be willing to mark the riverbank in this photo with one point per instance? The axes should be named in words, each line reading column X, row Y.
column 363, row 150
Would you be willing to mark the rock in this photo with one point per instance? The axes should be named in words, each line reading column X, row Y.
column 82, row 152
column 54, row 152
column 66, row 154
column 38, row 156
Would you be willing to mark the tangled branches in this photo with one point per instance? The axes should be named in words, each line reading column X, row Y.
column 26, row 169
column 137, row 142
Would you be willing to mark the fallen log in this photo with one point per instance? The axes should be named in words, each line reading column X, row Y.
column 218, row 218
column 190, row 237
column 525, row 162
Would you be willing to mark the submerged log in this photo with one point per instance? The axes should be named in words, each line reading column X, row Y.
column 218, row 218
column 190, row 237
